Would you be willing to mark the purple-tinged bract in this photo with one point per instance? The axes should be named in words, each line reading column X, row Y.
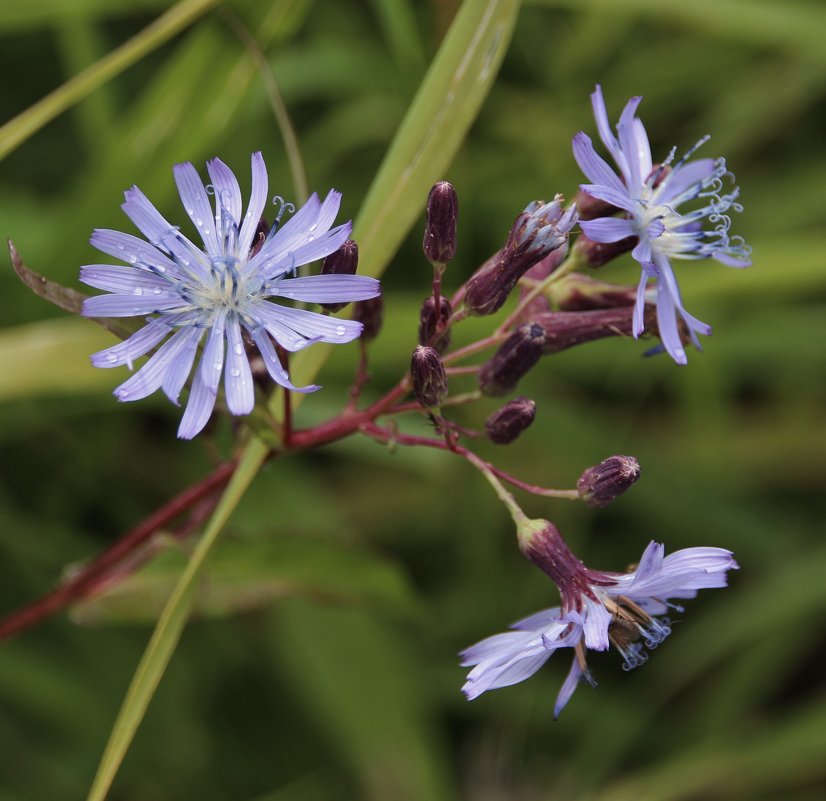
column 651, row 197
column 215, row 293
column 599, row 610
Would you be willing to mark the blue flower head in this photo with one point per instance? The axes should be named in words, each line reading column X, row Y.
column 215, row 293
column 651, row 198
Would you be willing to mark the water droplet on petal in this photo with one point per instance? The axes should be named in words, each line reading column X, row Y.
column 157, row 290
column 239, row 348
column 340, row 331
column 218, row 365
column 137, row 291
column 160, row 268
column 132, row 259
column 111, row 358
column 235, row 372
column 121, row 247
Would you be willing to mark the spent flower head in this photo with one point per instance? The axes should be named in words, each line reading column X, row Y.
column 599, row 610
column 220, row 291
column 651, row 197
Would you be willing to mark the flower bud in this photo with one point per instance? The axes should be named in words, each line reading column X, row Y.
column 596, row 254
column 344, row 261
column 599, row 485
column 440, row 231
column 536, row 232
column 428, row 323
column 590, row 208
column 564, row 330
column 370, row 313
column 578, row 292
column 428, row 375
column 506, row 424
column 517, row 355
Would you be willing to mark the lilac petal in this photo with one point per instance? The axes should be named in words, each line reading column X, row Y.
column 205, row 383
column 227, row 192
column 327, row 288
column 596, row 169
column 276, row 371
column 150, row 377
column 125, row 280
column 311, row 325
column 139, row 344
column 568, row 687
column 519, row 670
column 238, row 379
column 288, row 237
column 610, row 195
column 284, row 336
column 498, row 647
column 604, row 128
column 670, row 280
column 196, row 204
column 732, row 261
column 130, row 249
column 181, row 366
column 667, row 324
column 129, row 305
column 323, row 245
column 607, row 229
column 639, row 306
column 258, row 201
column 629, row 144
column 595, row 627
column 680, row 180
column 538, row 620
column 643, row 150
column 650, row 562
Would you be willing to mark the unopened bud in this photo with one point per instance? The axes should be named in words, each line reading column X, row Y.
column 517, row 355
column 429, row 323
column 564, row 330
column 596, row 254
column 590, row 208
column 536, row 232
column 440, row 231
column 344, row 261
column 506, row 424
column 428, row 375
column 370, row 313
column 599, row 485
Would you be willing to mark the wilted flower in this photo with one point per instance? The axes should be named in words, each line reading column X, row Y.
column 599, row 610
column 218, row 290
column 651, row 197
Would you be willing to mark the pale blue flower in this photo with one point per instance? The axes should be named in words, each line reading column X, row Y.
column 219, row 291
column 623, row 610
column 651, row 199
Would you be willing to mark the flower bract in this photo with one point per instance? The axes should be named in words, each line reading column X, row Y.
column 222, row 293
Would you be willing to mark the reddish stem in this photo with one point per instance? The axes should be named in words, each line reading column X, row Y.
column 92, row 575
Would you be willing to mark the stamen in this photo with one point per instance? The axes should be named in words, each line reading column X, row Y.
column 283, row 205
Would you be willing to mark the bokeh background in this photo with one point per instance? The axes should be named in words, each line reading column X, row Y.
column 322, row 666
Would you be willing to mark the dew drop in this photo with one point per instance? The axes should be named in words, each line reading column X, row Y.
column 121, row 247
column 122, row 394
column 111, row 358
column 199, row 222
column 239, row 348
column 313, row 227
column 132, row 259
column 157, row 290
column 160, row 268
column 340, row 330
column 217, row 365
column 235, row 372
column 137, row 291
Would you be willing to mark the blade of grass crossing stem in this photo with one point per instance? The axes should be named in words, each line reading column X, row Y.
column 170, row 625
column 18, row 130
column 433, row 129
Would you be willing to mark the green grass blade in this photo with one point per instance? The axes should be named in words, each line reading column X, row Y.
column 170, row 625
column 19, row 129
column 434, row 127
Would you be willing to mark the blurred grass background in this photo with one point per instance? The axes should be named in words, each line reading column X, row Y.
column 322, row 666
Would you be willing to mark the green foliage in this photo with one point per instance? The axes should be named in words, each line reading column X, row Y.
column 320, row 664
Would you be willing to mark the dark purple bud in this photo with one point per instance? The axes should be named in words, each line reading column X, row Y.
column 259, row 237
column 440, row 231
column 590, row 208
column 541, row 542
column 564, row 330
column 344, row 261
column 596, row 254
column 517, row 355
column 429, row 322
column 599, row 485
column 428, row 375
column 536, row 232
column 370, row 313
column 577, row 292
column 505, row 425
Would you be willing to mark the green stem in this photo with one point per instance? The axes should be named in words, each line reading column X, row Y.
column 519, row 517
